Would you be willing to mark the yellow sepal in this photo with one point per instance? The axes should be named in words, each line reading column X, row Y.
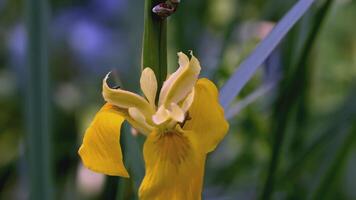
column 101, row 150
column 207, row 116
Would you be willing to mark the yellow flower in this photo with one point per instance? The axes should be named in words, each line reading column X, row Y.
column 182, row 128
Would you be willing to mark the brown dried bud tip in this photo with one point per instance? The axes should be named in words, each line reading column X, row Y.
column 166, row 9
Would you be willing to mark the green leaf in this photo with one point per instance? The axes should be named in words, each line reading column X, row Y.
column 249, row 66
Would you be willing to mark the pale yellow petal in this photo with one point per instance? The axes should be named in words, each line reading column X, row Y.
column 101, row 150
column 181, row 82
column 138, row 126
column 174, row 168
column 125, row 99
column 137, row 116
column 183, row 59
column 176, row 113
column 183, row 63
column 207, row 116
column 161, row 116
column 148, row 84
column 188, row 101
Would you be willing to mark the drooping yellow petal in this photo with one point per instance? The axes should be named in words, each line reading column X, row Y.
column 101, row 150
column 148, row 84
column 181, row 82
column 174, row 167
column 125, row 99
column 207, row 116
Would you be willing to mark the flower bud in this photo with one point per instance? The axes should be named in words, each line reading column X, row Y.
column 166, row 9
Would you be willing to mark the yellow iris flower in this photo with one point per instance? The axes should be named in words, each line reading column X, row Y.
column 182, row 128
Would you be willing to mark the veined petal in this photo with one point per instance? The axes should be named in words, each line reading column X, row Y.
column 101, row 150
column 181, row 82
column 207, row 116
column 148, row 84
column 125, row 99
column 174, row 167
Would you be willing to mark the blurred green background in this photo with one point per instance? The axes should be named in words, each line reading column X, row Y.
column 293, row 127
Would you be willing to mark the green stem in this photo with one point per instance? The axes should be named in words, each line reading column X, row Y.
column 37, row 102
column 154, row 51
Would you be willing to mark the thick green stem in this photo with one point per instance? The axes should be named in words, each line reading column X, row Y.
column 154, row 48
column 37, row 102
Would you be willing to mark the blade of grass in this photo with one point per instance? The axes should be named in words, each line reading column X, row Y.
column 6, row 172
column 259, row 92
column 291, row 93
column 340, row 118
column 249, row 66
column 212, row 73
column 303, row 59
column 327, row 181
column 306, row 75
column 38, row 115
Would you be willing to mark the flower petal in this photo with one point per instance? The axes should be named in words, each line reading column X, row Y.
column 138, row 117
column 181, row 82
column 101, row 150
column 145, row 130
column 188, row 101
column 148, row 84
column 176, row 113
column 161, row 116
column 125, row 99
column 174, row 167
column 207, row 116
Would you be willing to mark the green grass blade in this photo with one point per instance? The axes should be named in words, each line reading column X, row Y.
column 249, row 66
column 292, row 93
column 339, row 119
column 328, row 180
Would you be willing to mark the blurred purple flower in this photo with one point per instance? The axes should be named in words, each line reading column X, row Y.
column 88, row 39
column 209, row 48
column 95, row 45
column 91, row 43
column 273, row 67
column 16, row 42
column 63, row 22
column 109, row 8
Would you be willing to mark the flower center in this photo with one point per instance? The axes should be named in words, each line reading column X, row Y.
column 173, row 147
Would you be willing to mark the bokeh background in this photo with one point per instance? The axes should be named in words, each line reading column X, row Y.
column 302, row 103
